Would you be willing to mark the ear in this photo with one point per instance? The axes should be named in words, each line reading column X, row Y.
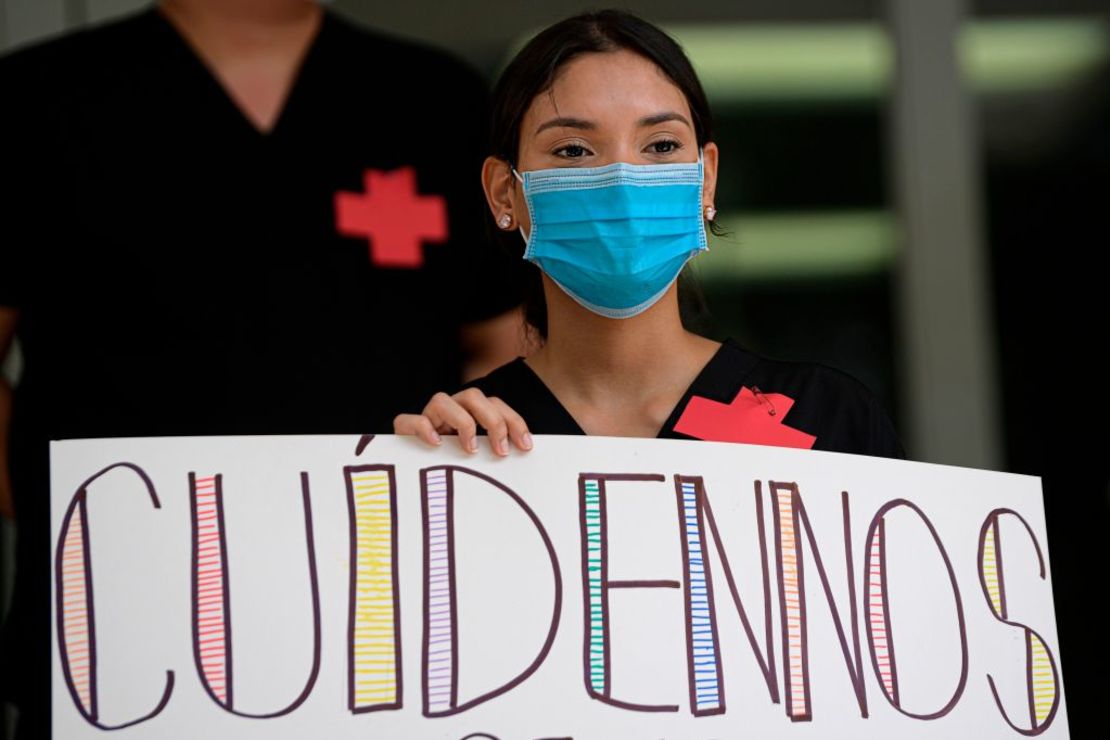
column 502, row 194
column 709, row 154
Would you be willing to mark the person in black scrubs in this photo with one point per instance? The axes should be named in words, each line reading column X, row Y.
column 603, row 160
column 229, row 218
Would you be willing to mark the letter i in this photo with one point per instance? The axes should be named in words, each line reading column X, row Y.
column 374, row 616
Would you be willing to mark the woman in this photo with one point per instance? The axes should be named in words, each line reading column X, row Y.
column 603, row 160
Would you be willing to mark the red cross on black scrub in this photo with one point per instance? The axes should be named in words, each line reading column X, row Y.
column 393, row 217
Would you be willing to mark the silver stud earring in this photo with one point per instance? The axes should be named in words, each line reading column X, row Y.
column 505, row 221
column 710, row 213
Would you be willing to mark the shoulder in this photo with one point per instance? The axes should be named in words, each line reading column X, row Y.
column 819, row 383
column 47, row 82
column 382, row 56
column 75, row 51
column 833, row 405
column 420, row 85
column 509, row 382
column 816, row 381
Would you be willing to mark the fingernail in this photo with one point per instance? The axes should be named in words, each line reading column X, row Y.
column 502, row 446
column 472, row 444
column 527, row 441
column 435, row 438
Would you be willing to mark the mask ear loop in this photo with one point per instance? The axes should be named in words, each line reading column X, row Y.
column 701, row 197
column 520, row 229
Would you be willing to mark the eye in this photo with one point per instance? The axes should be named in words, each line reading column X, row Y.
column 664, row 146
column 571, row 151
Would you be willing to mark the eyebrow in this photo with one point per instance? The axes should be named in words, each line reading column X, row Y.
column 564, row 122
column 663, row 118
column 579, row 123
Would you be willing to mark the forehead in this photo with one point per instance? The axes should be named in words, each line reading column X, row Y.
column 609, row 88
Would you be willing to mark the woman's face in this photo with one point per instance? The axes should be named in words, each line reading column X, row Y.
column 603, row 108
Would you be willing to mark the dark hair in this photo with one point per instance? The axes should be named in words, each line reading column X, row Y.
column 533, row 71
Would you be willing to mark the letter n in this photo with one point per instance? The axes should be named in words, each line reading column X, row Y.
column 704, row 662
column 790, row 519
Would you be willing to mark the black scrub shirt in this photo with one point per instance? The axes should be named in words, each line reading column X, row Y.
column 830, row 409
column 179, row 272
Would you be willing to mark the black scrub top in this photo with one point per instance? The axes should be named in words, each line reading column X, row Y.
column 178, row 272
column 738, row 396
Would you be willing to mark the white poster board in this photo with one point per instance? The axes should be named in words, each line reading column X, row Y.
column 332, row 587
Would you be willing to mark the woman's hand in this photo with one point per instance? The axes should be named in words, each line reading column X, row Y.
column 461, row 414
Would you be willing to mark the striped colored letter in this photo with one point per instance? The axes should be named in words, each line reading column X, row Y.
column 596, row 661
column 440, row 616
column 374, row 617
column 1042, row 678
column 790, row 516
column 703, row 657
column 212, row 651
column 878, row 613
column 210, row 596
column 74, row 612
column 441, row 649
column 880, row 636
column 703, row 650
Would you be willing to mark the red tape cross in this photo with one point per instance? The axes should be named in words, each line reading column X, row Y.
column 748, row 419
column 393, row 217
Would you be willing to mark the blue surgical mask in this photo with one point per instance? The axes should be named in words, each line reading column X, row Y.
column 614, row 238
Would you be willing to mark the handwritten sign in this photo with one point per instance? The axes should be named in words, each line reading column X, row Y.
column 292, row 587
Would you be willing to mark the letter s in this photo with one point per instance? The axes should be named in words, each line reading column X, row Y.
column 1042, row 678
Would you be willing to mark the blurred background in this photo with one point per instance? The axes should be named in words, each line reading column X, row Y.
column 915, row 193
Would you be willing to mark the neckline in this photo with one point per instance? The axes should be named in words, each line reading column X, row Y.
column 727, row 346
column 212, row 80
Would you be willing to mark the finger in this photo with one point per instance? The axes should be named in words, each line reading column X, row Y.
column 421, row 426
column 405, row 424
column 446, row 414
column 488, row 415
column 518, row 429
column 418, row 425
